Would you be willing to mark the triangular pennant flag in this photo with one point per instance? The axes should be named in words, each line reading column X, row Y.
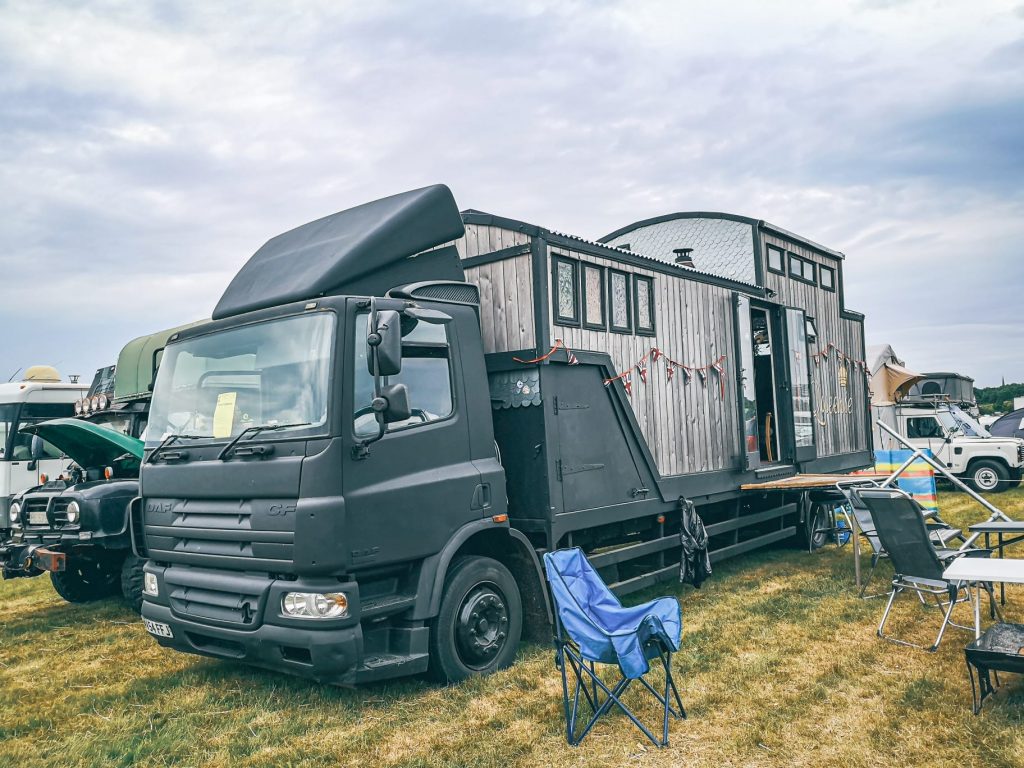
column 627, row 385
column 571, row 357
column 687, row 374
column 703, row 376
column 655, row 354
column 642, row 371
column 719, row 367
column 670, row 371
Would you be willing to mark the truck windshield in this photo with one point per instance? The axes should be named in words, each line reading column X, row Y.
column 264, row 374
column 7, row 414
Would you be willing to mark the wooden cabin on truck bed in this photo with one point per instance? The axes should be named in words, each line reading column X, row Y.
column 718, row 347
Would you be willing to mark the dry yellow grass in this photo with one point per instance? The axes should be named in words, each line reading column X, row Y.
column 780, row 667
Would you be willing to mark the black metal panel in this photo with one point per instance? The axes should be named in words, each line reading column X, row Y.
column 326, row 255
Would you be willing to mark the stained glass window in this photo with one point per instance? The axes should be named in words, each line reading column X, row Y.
column 593, row 296
column 644, row 304
column 566, row 299
column 619, row 290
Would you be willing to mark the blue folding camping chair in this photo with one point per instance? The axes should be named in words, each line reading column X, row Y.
column 591, row 626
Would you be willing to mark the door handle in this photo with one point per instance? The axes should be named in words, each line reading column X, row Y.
column 481, row 496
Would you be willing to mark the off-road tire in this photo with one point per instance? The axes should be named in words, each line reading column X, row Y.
column 478, row 628
column 132, row 578
column 86, row 579
column 988, row 476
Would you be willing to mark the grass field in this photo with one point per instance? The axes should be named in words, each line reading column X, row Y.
column 780, row 666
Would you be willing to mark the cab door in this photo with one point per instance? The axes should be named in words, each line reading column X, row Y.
column 418, row 484
column 24, row 471
column 926, row 431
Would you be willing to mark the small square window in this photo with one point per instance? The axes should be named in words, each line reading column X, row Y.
column 809, row 267
column 566, row 291
column 619, row 302
column 593, row 297
column 644, row 301
column 776, row 260
column 812, row 331
column 828, row 278
column 796, row 266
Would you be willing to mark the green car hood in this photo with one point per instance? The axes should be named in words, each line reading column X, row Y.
column 87, row 444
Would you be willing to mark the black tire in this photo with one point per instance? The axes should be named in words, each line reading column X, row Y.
column 85, row 579
column 819, row 527
column 480, row 622
column 132, row 582
column 987, row 476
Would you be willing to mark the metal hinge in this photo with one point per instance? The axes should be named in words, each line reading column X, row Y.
column 560, row 406
column 564, row 470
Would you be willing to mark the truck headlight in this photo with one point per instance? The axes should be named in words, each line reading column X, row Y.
column 73, row 512
column 15, row 512
column 315, row 605
column 149, row 585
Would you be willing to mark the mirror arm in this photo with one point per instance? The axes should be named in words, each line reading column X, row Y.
column 361, row 450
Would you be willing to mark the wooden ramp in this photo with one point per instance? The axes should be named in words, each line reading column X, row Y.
column 808, row 482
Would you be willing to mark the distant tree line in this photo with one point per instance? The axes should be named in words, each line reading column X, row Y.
column 998, row 399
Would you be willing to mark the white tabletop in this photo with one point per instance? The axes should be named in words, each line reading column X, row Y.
column 985, row 569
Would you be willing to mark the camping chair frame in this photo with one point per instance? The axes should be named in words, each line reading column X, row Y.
column 927, row 581
column 588, row 682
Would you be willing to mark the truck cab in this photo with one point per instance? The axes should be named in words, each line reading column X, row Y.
column 988, row 464
column 41, row 395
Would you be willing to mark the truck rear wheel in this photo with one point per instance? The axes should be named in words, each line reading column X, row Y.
column 85, row 579
column 987, row 476
column 478, row 627
column 132, row 581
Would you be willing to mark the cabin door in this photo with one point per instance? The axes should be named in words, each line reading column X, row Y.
column 764, row 408
column 800, row 408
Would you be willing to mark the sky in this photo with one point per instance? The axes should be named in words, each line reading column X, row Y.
column 147, row 149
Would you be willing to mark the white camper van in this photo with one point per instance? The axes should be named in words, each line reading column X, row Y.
column 41, row 395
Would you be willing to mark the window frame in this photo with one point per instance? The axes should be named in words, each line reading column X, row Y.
column 925, row 418
column 804, row 263
column 822, row 269
column 628, row 327
column 556, row 313
column 782, row 259
column 640, row 331
column 603, row 293
column 389, row 429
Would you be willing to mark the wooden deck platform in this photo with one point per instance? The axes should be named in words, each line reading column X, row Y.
column 807, row 482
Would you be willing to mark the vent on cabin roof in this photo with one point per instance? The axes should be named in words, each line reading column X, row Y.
column 684, row 257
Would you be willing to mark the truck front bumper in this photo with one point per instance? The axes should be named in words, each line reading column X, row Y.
column 20, row 559
column 329, row 651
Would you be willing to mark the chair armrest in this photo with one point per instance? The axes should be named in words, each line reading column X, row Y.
column 979, row 552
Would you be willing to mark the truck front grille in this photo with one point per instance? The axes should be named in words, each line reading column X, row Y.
column 33, row 510
column 59, row 511
column 216, row 597
column 233, row 534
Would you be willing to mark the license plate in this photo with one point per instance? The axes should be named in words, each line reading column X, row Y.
column 37, row 518
column 157, row 628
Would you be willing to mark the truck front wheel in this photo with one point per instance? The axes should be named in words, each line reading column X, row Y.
column 478, row 627
column 85, row 579
column 987, row 476
column 132, row 577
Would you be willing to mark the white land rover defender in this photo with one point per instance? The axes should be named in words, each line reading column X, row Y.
column 988, row 464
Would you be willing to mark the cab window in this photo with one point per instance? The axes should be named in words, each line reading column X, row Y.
column 33, row 413
column 924, row 428
column 426, row 371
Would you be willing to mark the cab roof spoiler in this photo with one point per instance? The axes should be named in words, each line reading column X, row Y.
column 359, row 248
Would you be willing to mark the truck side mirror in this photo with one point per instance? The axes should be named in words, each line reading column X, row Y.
column 384, row 344
column 36, row 448
column 396, row 403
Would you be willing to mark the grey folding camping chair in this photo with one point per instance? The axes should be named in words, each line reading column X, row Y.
column 940, row 532
column 917, row 563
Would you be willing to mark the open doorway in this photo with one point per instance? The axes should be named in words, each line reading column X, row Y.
column 764, row 385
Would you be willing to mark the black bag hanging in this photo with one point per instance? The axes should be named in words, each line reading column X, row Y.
column 694, row 563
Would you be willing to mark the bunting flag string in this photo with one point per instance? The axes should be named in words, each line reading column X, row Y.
column 654, row 355
column 559, row 344
column 841, row 357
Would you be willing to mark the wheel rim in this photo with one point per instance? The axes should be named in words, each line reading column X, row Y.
column 819, row 533
column 986, row 478
column 481, row 626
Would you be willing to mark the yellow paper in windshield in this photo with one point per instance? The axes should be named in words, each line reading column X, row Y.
column 224, row 416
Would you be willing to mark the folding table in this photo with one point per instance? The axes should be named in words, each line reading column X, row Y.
column 977, row 571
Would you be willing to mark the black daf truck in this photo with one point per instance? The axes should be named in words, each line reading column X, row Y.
column 348, row 478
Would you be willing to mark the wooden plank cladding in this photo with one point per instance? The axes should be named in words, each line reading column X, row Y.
column 538, row 287
column 688, row 425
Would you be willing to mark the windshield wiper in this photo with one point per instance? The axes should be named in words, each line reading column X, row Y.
column 251, row 432
column 167, row 441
